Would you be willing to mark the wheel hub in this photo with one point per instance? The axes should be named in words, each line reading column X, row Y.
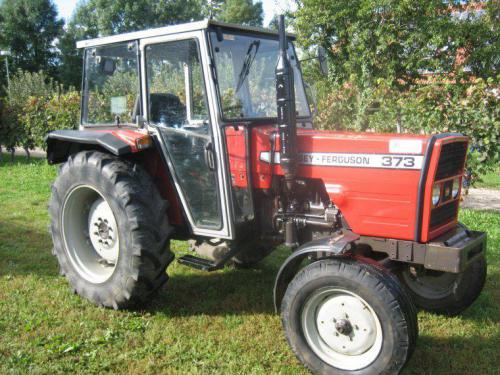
column 346, row 325
column 90, row 234
column 341, row 328
column 102, row 231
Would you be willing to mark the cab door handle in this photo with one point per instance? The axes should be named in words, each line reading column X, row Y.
column 209, row 156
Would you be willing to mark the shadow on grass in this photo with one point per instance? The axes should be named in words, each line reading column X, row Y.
column 231, row 291
column 25, row 250
column 455, row 355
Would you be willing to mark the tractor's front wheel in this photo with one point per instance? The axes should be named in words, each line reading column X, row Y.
column 110, row 230
column 345, row 317
column 443, row 292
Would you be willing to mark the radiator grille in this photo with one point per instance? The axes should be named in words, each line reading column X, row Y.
column 451, row 160
column 444, row 214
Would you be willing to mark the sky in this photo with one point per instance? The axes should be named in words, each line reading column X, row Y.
column 271, row 7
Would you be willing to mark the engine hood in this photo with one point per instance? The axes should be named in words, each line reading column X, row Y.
column 373, row 178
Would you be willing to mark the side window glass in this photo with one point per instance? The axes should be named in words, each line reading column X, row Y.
column 175, row 84
column 111, row 85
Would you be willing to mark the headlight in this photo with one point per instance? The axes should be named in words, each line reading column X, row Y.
column 456, row 187
column 436, row 194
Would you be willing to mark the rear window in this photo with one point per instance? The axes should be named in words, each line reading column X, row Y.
column 111, row 85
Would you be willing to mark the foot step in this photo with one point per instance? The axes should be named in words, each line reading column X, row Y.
column 199, row 263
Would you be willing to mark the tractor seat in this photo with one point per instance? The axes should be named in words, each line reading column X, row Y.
column 167, row 109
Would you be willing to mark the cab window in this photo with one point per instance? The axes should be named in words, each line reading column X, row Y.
column 111, row 85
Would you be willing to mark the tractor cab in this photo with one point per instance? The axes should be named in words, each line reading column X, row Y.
column 186, row 85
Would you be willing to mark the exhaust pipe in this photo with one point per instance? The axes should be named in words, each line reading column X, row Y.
column 287, row 121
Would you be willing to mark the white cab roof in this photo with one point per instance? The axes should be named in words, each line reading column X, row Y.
column 183, row 27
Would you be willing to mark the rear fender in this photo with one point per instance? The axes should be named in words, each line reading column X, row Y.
column 334, row 246
column 63, row 143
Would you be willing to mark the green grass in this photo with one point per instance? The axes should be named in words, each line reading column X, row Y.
column 490, row 180
column 222, row 322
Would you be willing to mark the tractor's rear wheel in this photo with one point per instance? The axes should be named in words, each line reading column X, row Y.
column 345, row 317
column 443, row 292
column 110, row 230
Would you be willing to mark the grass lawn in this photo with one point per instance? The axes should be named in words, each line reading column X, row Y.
column 490, row 180
column 222, row 322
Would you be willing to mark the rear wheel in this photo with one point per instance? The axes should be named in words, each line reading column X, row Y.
column 110, row 230
column 443, row 292
column 343, row 317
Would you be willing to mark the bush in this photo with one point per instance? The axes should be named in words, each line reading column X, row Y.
column 33, row 107
column 468, row 108
column 13, row 132
column 42, row 115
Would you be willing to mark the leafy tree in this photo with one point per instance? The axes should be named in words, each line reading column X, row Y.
column 243, row 12
column 96, row 18
column 28, row 28
column 477, row 38
column 397, row 40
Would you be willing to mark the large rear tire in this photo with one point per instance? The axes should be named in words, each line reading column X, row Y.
column 110, row 230
column 443, row 292
column 346, row 317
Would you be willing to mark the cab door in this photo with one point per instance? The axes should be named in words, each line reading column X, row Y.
column 178, row 94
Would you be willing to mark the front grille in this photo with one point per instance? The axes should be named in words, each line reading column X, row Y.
column 451, row 160
column 444, row 214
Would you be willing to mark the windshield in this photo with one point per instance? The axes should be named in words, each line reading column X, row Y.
column 245, row 67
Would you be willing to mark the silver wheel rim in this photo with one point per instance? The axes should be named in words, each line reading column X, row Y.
column 90, row 234
column 341, row 328
column 429, row 284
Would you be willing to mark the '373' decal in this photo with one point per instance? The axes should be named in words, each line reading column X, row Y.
column 398, row 161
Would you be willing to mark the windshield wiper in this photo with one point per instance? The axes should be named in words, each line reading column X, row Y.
column 247, row 63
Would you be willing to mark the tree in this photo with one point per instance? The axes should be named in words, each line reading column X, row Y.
column 243, row 12
column 397, row 40
column 28, row 28
column 96, row 18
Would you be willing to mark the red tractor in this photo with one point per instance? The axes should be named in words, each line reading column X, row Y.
column 203, row 132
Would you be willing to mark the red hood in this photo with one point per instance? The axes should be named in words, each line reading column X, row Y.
column 323, row 140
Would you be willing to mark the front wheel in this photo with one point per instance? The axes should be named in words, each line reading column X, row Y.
column 443, row 292
column 345, row 317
